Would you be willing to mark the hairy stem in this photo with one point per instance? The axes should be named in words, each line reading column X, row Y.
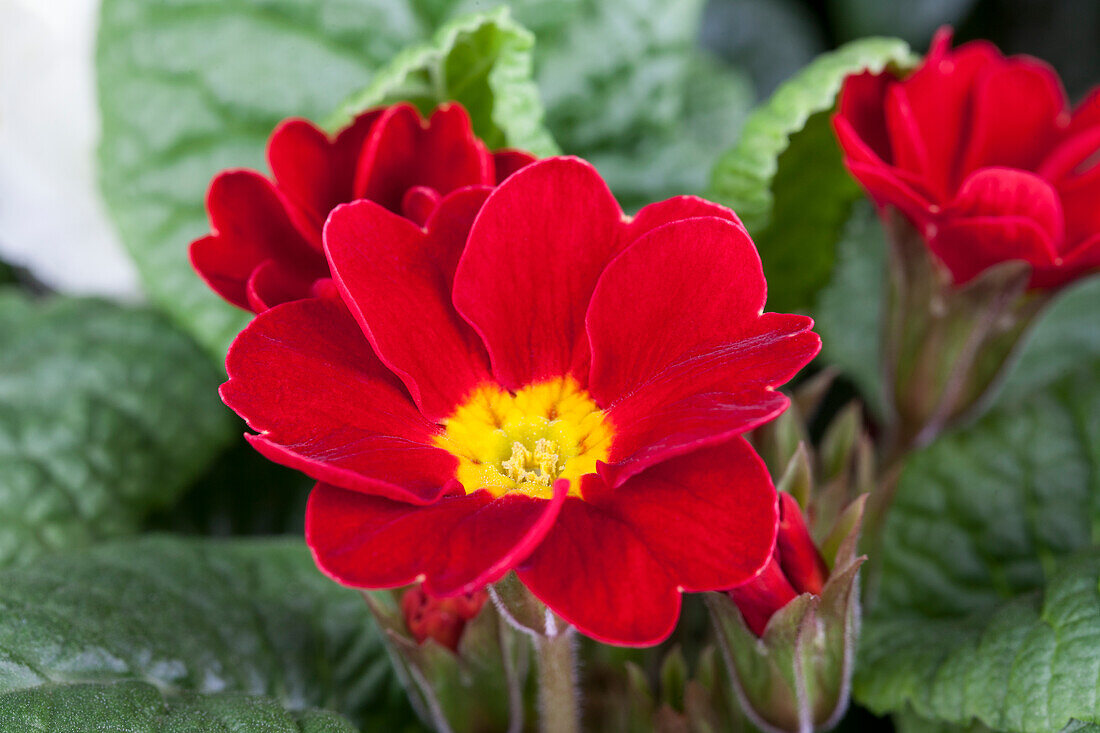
column 559, row 697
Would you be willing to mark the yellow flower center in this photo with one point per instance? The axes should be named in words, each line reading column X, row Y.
column 526, row 440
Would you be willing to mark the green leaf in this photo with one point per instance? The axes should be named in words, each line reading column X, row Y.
column 626, row 86
column 849, row 309
column 484, row 62
column 785, row 177
column 674, row 160
column 106, row 413
column 179, row 618
column 1064, row 340
column 1028, row 665
column 981, row 515
column 139, row 707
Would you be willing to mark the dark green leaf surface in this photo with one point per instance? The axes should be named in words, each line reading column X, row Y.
column 106, row 413
column 139, row 707
column 1065, row 339
column 785, row 177
column 178, row 618
column 850, row 308
column 192, row 87
column 1028, row 665
column 626, row 86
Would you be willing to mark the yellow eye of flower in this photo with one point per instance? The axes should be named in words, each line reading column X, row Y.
column 526, row 440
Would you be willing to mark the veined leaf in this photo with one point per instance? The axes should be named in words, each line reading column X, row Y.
column 157, row 621
column 106, row 414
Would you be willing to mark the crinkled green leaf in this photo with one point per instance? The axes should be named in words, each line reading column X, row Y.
column 674, row 160
column 203, row 617
column 1029, row 664
column 626, row 86
column 191, row 87
column 106, row 413
column 140, row 707
column 982, row 513
column 785, row 176
column 484, row 62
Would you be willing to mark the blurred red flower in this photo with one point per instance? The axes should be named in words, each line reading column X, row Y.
column 983, row 155
column 266, row 247
column 532, row 381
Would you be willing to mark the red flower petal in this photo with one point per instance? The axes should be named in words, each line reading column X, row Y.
column 403, row 152
column 316, row 173
column 458, row 544
column 400, row 294
column 1009, row 192
column 304, row 376
column 532, row 259
column 1081, row 260
column 1074, row 169
column 969, row 246
column 271, row 283
column 708, row 397
column 670, row 210
column 888, row 185
column 861, row 107
column 507, row 162
column 1086, row 115
column 615, row 568
column 761, row 597
column 1014, row 118
column 939, row 96
column 680, row 288
column 251, row 225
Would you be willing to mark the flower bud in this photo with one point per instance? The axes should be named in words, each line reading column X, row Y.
column 788, row 636
column 463, row 666
column 796, row 567
column 945, row 345
column 442, row 619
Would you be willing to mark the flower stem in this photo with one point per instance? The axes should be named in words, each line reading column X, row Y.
column 559, row 699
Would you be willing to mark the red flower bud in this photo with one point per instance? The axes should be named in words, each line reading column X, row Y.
column 442, row 619
column 796, row 567
column 763, row 596
column 799, row 557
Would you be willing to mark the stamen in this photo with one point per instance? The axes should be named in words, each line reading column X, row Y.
column 515, row 467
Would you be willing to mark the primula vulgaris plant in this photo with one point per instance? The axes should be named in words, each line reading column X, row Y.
column 577, row 474
column 501, row 381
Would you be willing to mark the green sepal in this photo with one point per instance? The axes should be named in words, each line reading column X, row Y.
column 475, row 689
column 946, row 346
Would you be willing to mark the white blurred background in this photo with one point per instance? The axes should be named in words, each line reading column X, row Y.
column 52, row 220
